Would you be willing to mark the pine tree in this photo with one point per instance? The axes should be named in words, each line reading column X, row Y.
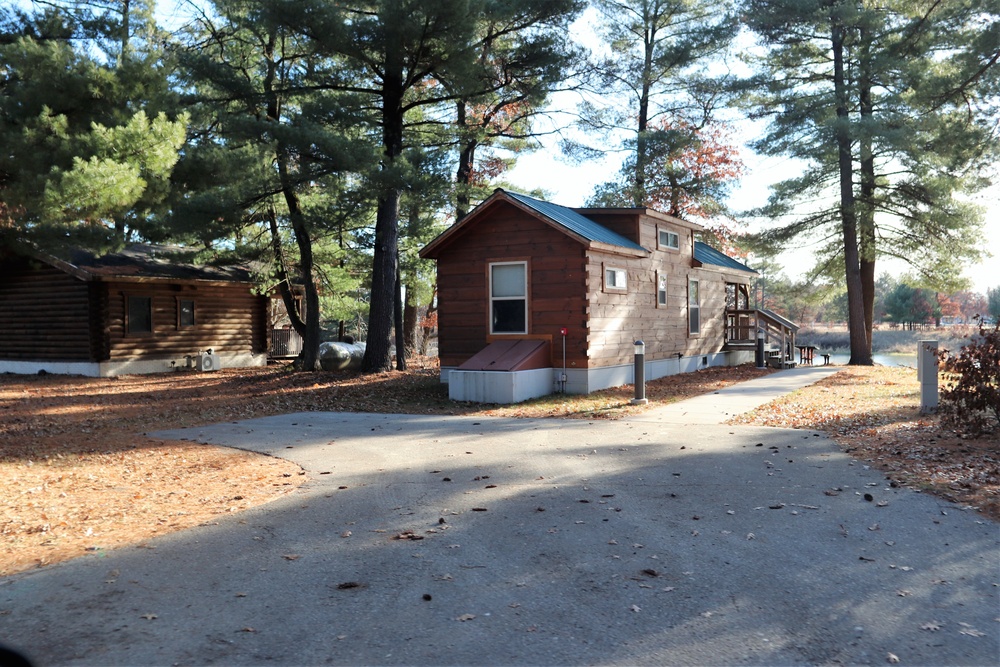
column 892, row 107
column 407, row 61
column 88, row 143
column 652, row 87
column 270, row 156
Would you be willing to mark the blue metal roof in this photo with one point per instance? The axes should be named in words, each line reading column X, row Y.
column 706, row 254
column 574, row 222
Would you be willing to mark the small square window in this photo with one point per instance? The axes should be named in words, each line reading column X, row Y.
column 615, row 279
column 668, row 239
column 185, row 313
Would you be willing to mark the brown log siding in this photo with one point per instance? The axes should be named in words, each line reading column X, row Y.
column 46, row 314
column 228, row 320
column 43, row 313
column 556, row 290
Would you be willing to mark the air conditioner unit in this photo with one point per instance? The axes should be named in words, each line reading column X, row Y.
column 206, row 361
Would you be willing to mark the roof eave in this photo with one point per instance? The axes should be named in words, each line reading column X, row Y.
column 617, row 249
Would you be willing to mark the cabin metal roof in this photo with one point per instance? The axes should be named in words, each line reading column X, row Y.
column 592, row 234
column 706, row 254
column 574, row 222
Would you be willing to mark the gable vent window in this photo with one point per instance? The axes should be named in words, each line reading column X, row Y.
column 509, row 297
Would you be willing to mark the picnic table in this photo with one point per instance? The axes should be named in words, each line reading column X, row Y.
column 806, row 353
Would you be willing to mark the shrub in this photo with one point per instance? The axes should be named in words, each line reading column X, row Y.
column 970, row 398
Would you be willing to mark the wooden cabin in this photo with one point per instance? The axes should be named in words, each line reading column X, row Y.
column 535, row 298
column 141, row 310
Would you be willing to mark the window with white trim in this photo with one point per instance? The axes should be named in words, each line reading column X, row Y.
column 615, row 279
column 668, row 240
column 661, row 289
column 509, row 297
column 694, row 308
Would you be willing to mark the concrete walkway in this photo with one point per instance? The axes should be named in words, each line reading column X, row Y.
column 422, row 540
column 724, row 404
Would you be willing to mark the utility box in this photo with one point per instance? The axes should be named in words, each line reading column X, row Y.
column 927, row 374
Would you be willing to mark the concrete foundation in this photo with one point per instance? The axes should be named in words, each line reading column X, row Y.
column 125, row 366
column 514, row 387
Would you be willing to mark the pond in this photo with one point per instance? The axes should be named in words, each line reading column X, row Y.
column 880, row 358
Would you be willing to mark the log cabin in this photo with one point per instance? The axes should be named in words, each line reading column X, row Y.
column 142, row 310
column 535, row 298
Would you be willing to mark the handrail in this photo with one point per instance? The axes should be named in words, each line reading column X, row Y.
column 742, row 326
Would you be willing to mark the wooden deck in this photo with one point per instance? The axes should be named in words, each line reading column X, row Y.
column 779, row 333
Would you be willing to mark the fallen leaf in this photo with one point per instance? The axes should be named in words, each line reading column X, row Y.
column 892, row 658
column 291, row 556
column 149, row 617
column 636, row 608
column 465, row 617
column 933, row 626
column 347, row 585
column 970, row 631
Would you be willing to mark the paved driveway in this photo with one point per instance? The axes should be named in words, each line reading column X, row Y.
column 428, row 540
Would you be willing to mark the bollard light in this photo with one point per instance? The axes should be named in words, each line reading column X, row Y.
column 640, row 373
column 759, row 351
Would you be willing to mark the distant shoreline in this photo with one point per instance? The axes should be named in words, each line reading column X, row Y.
column 887, row 341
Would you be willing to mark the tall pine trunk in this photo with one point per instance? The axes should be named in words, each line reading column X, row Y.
column 866, row 211
column 378, row 353
column 300, row 227
column 860, row 350
column 466, row 162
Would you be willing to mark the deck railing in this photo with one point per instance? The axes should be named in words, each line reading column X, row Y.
column 779, row 333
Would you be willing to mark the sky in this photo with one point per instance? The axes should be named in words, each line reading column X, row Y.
column 571, row 185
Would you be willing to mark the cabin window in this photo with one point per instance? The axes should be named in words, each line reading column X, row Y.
column 615, row 279
column 185, row 313
column 139, row 314
column 661, row 289
column 668, row 240
column 509, row 297
column 694, row 308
